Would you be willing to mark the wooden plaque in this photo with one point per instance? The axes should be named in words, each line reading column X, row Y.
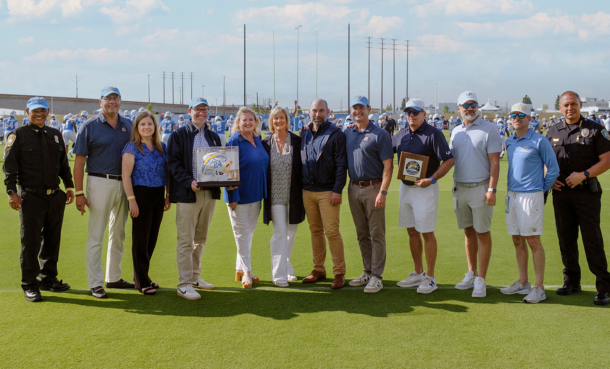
column 412, row 166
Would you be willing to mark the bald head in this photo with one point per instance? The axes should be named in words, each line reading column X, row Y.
column 319, row 103
column 318, row 111
column 571, row 94
column 570, row 105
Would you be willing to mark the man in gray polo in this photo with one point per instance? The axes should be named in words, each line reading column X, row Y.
column 100, row 143
column 476, row 147
column 369, row 161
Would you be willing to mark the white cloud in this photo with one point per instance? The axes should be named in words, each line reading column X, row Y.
column 24, row 40
column 31, row 9
column 126, row 30
column 440, row 43
column 379, row 25
column 68, row 54
column 70, row 7
column 161, row 35
column 474, row 7
column 133, row 9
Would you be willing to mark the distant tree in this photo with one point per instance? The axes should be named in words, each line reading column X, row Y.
column 388, row 108
column 527, row 100
column 403, row 104
column 446, row 110
column 557, row 103
column 150, row 108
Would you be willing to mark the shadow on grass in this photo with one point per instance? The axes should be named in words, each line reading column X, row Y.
column 282, row 304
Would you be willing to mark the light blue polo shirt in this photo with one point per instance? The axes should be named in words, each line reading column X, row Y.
column 102, row 144
column 470, row 147
column 366, row 151
column 527, row 157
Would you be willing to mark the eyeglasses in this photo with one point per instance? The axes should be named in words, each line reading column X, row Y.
column 204, row 110
column 413, row 112
column 111, row 98
column 472, row 105
column 520, row 115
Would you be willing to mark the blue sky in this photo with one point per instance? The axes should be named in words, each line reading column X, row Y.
column 501, row 49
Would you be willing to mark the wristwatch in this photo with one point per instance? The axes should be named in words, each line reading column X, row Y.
column 383, row 192
column 432, row 179
column 491, row 190
column 587, row 174
column 10, row 192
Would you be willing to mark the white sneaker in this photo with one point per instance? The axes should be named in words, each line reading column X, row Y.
column 535, row 296
column 292, row 278
column 188, row 293
column 501, row 154
column 413, row 280
column 281, row 284
column 360, row 281
column 375, row 285
column 428, row 285
column 203, row 285
column 517, row 288
column 480, row 287
column 466, row 283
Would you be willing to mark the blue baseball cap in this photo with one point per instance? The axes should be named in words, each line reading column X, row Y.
column 37, row 103
column 198, row 101
column 109, row 90
column 415, row 103
column 359, row 100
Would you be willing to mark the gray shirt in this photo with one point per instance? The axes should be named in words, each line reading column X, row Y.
column 102, row 144
column 366, row 152
column 199, row 142
column 470, row 147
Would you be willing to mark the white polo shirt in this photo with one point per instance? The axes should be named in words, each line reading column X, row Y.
column 470, row 147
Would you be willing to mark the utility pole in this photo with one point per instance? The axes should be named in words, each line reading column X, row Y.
column 348, row 63
column 182, row 89
column 223, row 94
column 407, row 71
column 191, row 85
column 274, row 66
column 203, row 91
column 257, row 107
column 245, row 65
column 148, row 75
column 298, row 33
column 435, row 96
column 382, row 108
column 394, row 75
column 76, row 80
column 164, row 87
column 316, row 64
column 369, row 90
column 173, row 102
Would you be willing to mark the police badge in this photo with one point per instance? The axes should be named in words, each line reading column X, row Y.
column 584, row 132
column 218, row 166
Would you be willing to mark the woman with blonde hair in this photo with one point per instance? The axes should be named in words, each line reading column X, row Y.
column 284, row 203
column 145, row 181
column 244, row 202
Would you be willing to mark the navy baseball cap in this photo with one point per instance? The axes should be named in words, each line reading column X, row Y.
column 109, row 90
column 359, row 100
column 37, row 103
column 198, row 101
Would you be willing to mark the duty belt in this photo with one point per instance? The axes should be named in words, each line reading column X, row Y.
column 47, row 192
column 366, row 183
column 471, row 185
column 107, row 176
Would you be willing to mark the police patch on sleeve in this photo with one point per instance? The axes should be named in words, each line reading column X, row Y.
column 11, row 139
column 604, row 132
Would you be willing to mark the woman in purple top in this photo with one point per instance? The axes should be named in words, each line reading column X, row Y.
column 145, row 181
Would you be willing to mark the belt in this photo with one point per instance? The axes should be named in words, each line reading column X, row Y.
column 471, row 185
column 107, row 176
column 366, row 183
column 50, row 191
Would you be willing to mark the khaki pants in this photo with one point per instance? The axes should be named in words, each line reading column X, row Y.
column 370, row 227
column 323, row 219
column 192, row 223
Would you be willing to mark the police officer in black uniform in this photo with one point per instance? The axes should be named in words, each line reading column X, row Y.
column 583, row 152
column 35, row 159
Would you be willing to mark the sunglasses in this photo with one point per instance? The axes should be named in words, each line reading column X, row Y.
column 413, row 112
column 515, row 115
column 472, row 105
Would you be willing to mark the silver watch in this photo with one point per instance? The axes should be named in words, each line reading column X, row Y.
column 383, row 192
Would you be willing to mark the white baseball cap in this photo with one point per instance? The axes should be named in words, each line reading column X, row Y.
column 415, row 103
column 467, row 96
column 518, row 107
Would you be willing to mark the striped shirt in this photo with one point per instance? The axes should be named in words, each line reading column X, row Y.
column 199, row 142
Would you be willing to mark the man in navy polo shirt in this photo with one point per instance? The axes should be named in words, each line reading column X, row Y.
column 369, row 161
column 99, row 144
column 529, row 153
column 419, row 200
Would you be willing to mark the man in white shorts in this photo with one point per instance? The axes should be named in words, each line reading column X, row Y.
column 528, row 153
column 418, row 207
column 476, row 147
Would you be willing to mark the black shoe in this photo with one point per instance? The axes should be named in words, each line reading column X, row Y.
column 98, row 292
column 568, row 289
column 601, row 298
column 33, row 295
column 53, row 285
column 121, row 283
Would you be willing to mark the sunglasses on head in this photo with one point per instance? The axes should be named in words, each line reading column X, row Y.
column 472, row 105
column 515, row 115
column 413, row 112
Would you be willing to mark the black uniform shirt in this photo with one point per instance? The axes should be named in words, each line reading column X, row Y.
column 578, row 146
column 23, row 158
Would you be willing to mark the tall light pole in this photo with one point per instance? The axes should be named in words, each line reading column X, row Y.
column 382, row 108
column 298, row 32
column 244, row 66
column 369, row 47
column 316, row 64
column 274, row 67
column 148, row 75
column 435, row 96
column 394, row 75
column 348, row 64
column 203, row 91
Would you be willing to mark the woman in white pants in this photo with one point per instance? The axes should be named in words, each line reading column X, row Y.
column 284, row 203
column 244, row 202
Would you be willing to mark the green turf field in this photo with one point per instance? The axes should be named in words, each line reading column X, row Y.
column 303, row 326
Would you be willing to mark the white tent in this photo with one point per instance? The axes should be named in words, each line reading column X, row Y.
column 489, row 107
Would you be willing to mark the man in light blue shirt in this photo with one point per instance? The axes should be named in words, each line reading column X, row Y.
column 528, row 154
column 219, row 128
column 167, row 127
column 534, row 124
column 502, row 129
column 10, row 124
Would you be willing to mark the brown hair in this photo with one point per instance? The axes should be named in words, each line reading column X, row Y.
column 278, row 110
column 135, row 135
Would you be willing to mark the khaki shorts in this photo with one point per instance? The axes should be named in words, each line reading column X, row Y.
column 470, row 207
column 525, row 216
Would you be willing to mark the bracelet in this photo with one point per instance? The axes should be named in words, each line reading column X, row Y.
column 79, row 193
column 131, row 198
column 69, row 189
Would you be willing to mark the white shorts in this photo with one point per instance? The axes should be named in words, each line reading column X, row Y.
column 525, row 215
column 165, row 137
column 418, row 208
column 68, row 136
column 471, row 209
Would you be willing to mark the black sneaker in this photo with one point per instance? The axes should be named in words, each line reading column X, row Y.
column 121, row 283
column 53, row 285
column 602, row 298
column 568, row 289
column 33, row 295
column 98, row 292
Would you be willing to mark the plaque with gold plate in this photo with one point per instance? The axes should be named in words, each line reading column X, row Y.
column 412, row 166
column 217, row 166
